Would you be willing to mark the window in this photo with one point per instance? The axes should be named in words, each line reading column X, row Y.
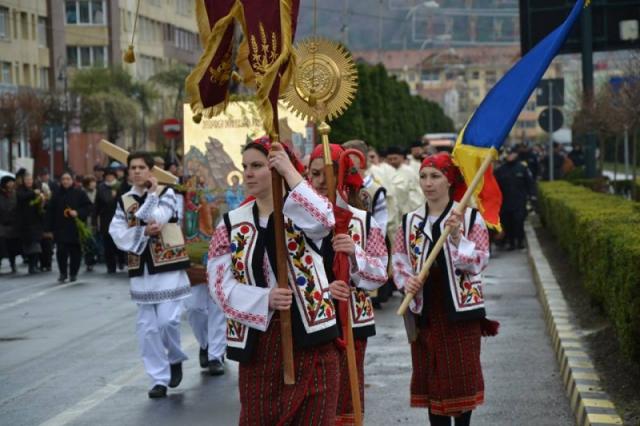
column 97, row 12
column 475, row 75
column 183, row 7
column 531, row 106
column 71, row 12
column 5, row 73
column 430, row 75
column 98, row 58
column 4, row 22
column 42, row 32
column 44, row 78
column 87, row 56
column 26, row 75
column 490, row 77
column 86, row 12
column 24, row 25
column 72, row 56
column 34, row 24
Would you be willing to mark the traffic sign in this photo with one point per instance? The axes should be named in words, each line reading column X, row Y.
column 545, row 120
column 557, row 92
column 171, row 128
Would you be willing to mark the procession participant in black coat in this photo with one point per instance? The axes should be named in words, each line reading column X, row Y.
column 67, row 203
column 106, row 201
column 30, row 219
column 516, row 184
column 9, row 241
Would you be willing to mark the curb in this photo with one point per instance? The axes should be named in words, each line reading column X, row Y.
column 590, row 404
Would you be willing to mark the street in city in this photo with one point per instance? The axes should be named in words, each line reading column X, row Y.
column 68, row 355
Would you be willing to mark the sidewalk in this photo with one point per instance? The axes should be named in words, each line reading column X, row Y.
column 523, row 385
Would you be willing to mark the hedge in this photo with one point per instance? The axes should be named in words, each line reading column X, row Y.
column 601, row 234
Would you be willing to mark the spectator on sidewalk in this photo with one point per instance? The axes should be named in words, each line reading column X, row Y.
column 577, row 155
column 91, row 249
column 48, row 185
column 106, row 200
column 30, row 219
column 66, row 205
column 517, row 185
column 9, row 241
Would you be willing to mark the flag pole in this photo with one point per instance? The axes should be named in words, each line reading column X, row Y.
column 424, row 272
column 330, row 179
column 282, row 268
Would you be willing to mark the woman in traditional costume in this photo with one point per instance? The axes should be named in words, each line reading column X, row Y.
column 364, row 244
column 447, row 317
column 242, row 280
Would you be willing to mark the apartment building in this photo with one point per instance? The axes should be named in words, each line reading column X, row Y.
column 25, row 35
column 458, row 79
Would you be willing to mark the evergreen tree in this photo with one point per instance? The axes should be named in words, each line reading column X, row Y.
column 384, row 113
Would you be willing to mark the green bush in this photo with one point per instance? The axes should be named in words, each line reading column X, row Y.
column 601, row 234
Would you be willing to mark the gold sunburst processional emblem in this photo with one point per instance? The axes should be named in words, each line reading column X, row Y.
column 325, row 81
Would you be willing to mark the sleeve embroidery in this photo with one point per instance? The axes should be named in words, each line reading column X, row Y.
column 228, row 310
column 310, row 208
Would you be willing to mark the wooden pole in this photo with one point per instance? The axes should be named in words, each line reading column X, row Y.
column 281, row 262
column 324, row 130
column 424, row 272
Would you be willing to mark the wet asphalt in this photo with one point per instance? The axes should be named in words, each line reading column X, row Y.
column 68, row 356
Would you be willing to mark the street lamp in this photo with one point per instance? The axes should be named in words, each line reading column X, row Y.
column 62, row 77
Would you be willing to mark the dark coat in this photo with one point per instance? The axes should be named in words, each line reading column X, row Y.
column 516, row 184
column 106, row 202
column 30, row 218
column 64, row 228
column 8, row 225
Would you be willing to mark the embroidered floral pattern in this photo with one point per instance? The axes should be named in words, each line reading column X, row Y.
column 361, row 307
column 416, row 244
column 470, row 293
column 318, row 304
column 238, row 245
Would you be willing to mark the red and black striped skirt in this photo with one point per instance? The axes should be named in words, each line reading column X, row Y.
column 447, row 375
column 265, row 399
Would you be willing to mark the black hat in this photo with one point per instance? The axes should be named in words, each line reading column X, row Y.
column 110, row 171
column 6, row 179
column 396, row 150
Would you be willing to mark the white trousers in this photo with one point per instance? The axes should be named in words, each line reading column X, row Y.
column 207, row 321
column 158, row 330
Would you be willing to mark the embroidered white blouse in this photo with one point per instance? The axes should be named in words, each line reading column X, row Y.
column 149, row 288
column 249, row 305
column 471, row 255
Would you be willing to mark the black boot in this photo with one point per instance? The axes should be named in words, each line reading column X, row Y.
column 62, row 278
column 204, row 357
column 176, row 375
column 158, row 391
column 216, row 367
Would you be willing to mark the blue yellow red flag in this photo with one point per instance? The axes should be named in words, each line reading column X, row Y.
column 488, row 127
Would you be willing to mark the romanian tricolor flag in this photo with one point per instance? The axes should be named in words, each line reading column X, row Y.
column 488, row 127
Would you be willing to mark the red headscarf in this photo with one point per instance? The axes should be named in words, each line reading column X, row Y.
column 353, row 178
column 442, row 161
column 263, row 144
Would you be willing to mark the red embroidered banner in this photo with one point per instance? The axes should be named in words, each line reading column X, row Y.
column 269, row 30
column 207, row 86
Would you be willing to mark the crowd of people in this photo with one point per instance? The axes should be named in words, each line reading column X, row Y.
column 399, row 203
column 69, row 216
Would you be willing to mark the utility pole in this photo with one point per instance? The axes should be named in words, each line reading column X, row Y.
column 380, row 31
column 587, row 88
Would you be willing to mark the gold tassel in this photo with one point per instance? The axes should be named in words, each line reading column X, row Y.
column 129, row 56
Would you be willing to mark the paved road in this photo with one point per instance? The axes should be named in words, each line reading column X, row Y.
column 68, row 355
